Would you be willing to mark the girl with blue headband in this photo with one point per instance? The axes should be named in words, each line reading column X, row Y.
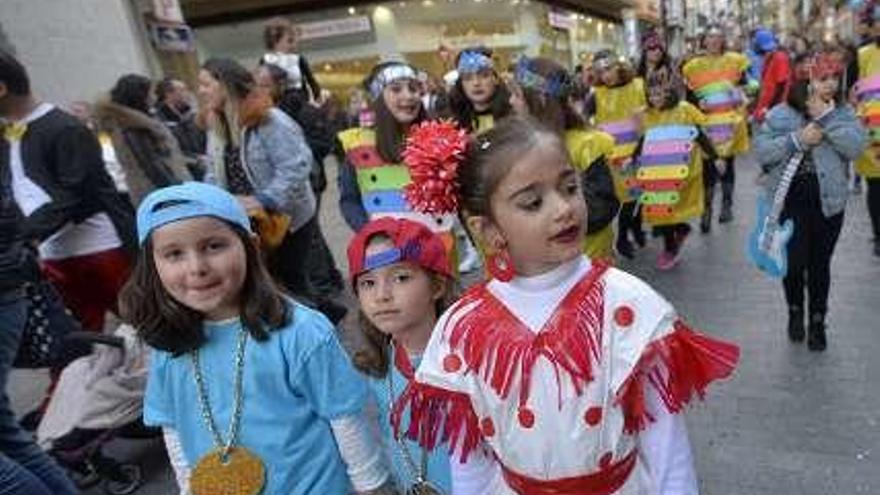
column 479, row 98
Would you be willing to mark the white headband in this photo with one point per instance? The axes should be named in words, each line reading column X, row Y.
column 388, row 75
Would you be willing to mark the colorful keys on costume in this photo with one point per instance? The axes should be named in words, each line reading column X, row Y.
column 664, row 167
column 662, row 173
column 660, row 197
column 624, row 131
column 387, row 177
column 671, row 133
column 665, row 147
column 648, row 160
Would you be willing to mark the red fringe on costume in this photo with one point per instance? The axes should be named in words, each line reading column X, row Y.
column 494, row 342
column 677, row 366
column 438, row 416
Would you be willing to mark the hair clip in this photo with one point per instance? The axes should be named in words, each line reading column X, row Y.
column 485, row 145
column 470, row 62
column 526, row 78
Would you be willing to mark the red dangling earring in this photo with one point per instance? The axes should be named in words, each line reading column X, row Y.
column 501, row 266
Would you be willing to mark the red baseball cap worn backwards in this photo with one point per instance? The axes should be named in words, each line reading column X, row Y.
column 413, row 242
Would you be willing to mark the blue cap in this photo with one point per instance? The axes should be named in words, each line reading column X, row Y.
column 188, row 200
column 765, row 40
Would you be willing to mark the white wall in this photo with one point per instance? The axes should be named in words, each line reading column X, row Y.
column 75, row 49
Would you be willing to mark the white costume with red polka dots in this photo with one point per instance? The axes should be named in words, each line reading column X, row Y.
column 604, row 358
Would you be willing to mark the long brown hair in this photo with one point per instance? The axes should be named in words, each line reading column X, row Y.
column 247, row 106
column 373, row 358
column 167, row 325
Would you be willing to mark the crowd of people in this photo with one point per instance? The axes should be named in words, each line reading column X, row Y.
column 194, row 220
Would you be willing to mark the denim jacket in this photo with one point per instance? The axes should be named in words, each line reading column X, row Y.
column 277, row 161
column 844, row 139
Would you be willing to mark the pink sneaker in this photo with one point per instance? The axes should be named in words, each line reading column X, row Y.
column 665, row 260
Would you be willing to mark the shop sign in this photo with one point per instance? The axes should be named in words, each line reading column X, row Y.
column 168, row 11
column 172, row 37
column 561, row 20
column 334, row 27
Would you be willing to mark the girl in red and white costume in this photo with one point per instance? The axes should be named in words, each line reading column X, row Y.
column 570, row 372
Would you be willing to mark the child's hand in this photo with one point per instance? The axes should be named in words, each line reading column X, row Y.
column 720, row 165
column 811, row 135
column 249, row 202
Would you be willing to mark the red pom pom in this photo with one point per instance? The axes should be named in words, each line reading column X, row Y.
column 433, row 152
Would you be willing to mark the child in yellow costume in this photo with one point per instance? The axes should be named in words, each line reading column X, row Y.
column 713, row 82
column 670, row 171
column 617, row 104
column 542, row 89
column 867, row 93
column 373, row 177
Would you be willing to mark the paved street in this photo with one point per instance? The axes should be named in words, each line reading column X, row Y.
column 789, row 422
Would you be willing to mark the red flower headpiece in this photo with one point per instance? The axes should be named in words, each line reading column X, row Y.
column 819, row 66
column 433, row 152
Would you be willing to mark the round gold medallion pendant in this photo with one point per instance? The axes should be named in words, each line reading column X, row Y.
column 242, row 473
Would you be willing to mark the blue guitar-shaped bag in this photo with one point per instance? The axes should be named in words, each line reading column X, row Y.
column 768, row 242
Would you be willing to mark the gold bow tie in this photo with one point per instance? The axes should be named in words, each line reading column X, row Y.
column 14, row 132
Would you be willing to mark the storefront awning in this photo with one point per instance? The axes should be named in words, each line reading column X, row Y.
column 211, row 12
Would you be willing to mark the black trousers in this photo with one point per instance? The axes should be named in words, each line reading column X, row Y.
column 810, row 247
column 874, row 205
column 672, row 235
column 629, row 220
column 290, row 263
column 711, row 175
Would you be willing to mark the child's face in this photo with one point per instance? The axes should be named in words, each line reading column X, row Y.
column 657, row 98
column 402, row 99
column 825, row 88
column 538, row 211
column 609, row 76
column 202, row 264
column 287, row 43
column 517, row 99
column 714, row 43
column 479, row 87
column 399, row 298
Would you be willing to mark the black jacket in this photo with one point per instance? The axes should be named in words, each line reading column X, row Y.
column 63, row 157
column 18, row 264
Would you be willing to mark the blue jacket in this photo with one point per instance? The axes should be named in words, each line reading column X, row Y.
column 277, row 160
column 845, row 138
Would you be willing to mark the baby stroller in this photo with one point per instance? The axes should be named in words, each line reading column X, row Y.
column 99, row 397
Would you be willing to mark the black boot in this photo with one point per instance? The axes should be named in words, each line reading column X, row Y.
column 796, row 330
column 816, row 339
column 726, row 203
column 625, row 248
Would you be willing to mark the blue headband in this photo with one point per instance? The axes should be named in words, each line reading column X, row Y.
column 188, row 200
column 410, row 251
column 527, row 78
column 470, row 62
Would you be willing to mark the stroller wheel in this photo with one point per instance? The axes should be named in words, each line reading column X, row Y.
column 84, row 477
column 129, row 482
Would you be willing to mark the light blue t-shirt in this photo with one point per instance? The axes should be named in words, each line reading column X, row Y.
column 438, row 459
column 293, row 384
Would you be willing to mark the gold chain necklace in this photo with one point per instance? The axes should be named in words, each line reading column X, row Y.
column 227, row 469
column 421, row 486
